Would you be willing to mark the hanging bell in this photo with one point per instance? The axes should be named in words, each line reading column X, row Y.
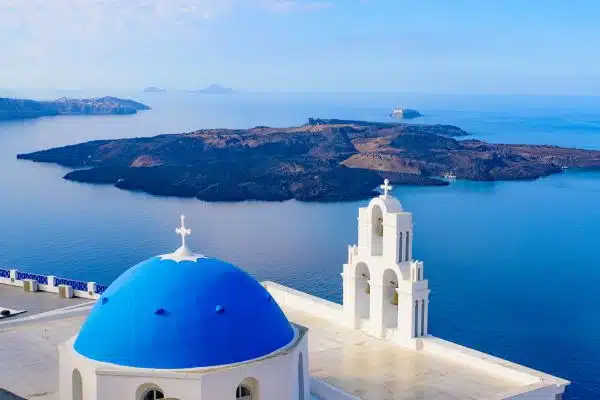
column 395, row 298
column 380, row 227
column 368, row 289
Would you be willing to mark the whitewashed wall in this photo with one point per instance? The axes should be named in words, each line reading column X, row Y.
column 277, row 377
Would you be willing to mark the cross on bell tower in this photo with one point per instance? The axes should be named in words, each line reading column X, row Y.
column 386, row 187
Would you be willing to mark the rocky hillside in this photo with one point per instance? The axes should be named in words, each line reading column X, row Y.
column 325, row 160
column 21, row 108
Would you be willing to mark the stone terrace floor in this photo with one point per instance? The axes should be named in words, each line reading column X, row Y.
column 34, row 303
column 372, row 369
column 29, row 341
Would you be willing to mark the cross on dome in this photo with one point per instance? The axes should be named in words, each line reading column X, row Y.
column 183, row 253
column 386, row 187
column 183, row 231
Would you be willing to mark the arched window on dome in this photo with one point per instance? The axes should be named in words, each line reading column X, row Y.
column 243, row 392
column 247, row 390
column 77, row 385
column 153, row 394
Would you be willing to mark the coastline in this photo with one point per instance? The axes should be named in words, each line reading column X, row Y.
column 324, row 160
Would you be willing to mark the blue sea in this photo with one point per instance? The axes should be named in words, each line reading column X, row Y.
column 514, row 267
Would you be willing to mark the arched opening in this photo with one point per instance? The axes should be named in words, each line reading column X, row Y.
column 362, row 291
column 301, row 377
column 390, row 299
column 376, row 231
column 247, row 390
column 77, row 385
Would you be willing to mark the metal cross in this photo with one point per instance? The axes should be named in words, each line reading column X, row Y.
column 386, row 187
column 183, row 231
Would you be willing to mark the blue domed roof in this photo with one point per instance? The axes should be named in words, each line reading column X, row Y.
column 170, row 314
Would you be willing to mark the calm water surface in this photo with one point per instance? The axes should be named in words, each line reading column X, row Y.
column 513, row 266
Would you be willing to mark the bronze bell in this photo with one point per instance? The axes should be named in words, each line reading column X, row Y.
column 368, row 288
column 395, row 296
column 380, row 227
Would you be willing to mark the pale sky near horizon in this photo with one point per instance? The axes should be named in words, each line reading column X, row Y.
column 436, row 46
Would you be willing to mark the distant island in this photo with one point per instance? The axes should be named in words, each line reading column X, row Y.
column 323, row 160
column 11, row 109
column 215, row 89
column 405, row 113
column 154, row 89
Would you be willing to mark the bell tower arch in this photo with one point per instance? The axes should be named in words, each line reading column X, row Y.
column 385, row 293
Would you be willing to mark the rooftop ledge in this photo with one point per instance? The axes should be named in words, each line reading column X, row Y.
column 439, row 369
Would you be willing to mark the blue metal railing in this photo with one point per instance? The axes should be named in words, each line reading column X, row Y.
column 76, row 285
column 41, row 279
column 100, row 289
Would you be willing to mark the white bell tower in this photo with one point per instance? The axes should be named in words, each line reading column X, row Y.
column 385, row 293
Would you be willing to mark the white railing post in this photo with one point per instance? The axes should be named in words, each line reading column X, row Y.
column 13, row 275
column 91, row 286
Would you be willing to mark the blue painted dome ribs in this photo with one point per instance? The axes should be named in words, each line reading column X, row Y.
column 217, row 314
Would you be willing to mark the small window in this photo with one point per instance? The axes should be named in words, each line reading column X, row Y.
column 416, row 333
column 153, row 394
column 243, row 392
column 400, row 258
column 422, row 317
column 407, row 255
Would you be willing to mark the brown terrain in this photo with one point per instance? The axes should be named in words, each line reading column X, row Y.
column 323, row 160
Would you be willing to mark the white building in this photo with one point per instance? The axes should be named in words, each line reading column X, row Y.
column 187, row 327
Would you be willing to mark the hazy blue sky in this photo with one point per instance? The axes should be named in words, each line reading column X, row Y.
column 456, row 46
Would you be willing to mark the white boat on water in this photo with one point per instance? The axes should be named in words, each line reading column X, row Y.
column 449, row 176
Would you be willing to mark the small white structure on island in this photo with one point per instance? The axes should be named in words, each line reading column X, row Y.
column 187, row 327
